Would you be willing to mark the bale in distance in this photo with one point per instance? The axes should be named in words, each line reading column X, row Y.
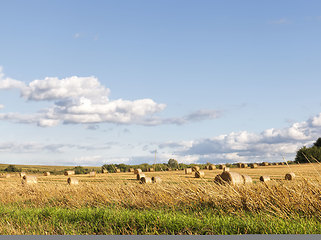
column 72, row 181
column 131, row 170
column 5, row 175
column 226, row 169
column 145, row 180
column 246, row 179
column 253, row 165
column 69, row 173
column 221, row 166
column 46, row 173
column 264, row 164
column 92, row 174
column 140, row 175
column 211, row 167
column 104, row 171
column 243, row 165
column 137, row 171
column 156, row 180
column 188, row 171
column 232, row 178
column 195, row 168
column 199, row 174
column 117, row 170
column 206, row 167
column 289, row 176
column 265, row 178
column 239, row 165
column 151, row 170
column 29, row 180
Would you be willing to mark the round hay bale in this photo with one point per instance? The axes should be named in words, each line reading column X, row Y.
column 156, row 180
column 289, row 176
column 137, row 171
column 247, row 179
column 29, row 179
column 72, row 181
column 131, row 170
column 140, row 175
column 221, row 166
column 46, row 173
column 168, row 169
column 5, row 175
column 243, row 165
column 151, row 170
column 265, row 178
column 206, row 167
column 188, row 171
column 226, row 169
column 264, row 164
column 232, row 178
column 104, row 171
column 92, row 174
column 218, row 179
column 21, row 174
column 117, row 170
column 199, row 174
column 146, row 180
column 211, row 167
column 69, row 173
column 253, row 165
column 239, row 165
column 195, row 168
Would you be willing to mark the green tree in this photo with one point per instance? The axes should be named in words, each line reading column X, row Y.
column 317, row 143
column 12, row 168
column 172, row 163
column 309, row 154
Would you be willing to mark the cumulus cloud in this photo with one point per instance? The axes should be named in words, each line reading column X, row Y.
column 270, row 144
column 1, row 106
column 84, row 100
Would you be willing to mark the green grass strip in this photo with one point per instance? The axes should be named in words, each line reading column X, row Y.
column 119, row 221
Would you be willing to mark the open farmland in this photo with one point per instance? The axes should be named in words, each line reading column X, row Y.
column 116, row 203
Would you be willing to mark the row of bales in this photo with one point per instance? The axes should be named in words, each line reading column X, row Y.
column 143, row 179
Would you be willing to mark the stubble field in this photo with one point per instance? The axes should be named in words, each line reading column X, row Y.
column 116, row 203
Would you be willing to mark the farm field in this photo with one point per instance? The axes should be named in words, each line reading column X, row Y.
column 116, row 203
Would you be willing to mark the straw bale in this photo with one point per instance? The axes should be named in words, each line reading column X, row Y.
column 131, row 170
column 137, row 171
column 29, row 179
column 72, row 181
column 289, row 176
column 188, row 171
column 146, row 180
column 211, row 167
column 92, row 174
column 243, row 165
column 68, row 173
column 156, row 180
column 232, row 178
column 226, row 169
column 151, row 170
column 247, row 179
column 199, row 174
column 140, row 175
column 21, row 174
column 221, row 166
column 46, row 173
column 253, row 165
column 265, row 178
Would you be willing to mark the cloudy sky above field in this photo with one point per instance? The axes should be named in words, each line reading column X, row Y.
column 95, row 82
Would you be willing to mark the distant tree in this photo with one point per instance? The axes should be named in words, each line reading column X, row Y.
column 172, row 163
column 309, row 154
column 81, row 170
column 12, row 168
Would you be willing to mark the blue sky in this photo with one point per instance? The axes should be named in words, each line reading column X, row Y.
column 94, row 82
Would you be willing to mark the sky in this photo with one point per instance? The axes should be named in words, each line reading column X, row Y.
column 99, row 82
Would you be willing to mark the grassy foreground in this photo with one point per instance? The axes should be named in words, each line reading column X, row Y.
column 118, row 221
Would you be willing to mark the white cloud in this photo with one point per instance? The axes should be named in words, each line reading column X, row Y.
column 269, row 145
column 84, row 100
column 1, row 106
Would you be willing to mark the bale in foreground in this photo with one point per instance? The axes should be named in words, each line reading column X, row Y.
column 195, row 168
column 29, row 179
column 232, row 178
column 146, row 180
column 289, row 176
column 72, row 181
